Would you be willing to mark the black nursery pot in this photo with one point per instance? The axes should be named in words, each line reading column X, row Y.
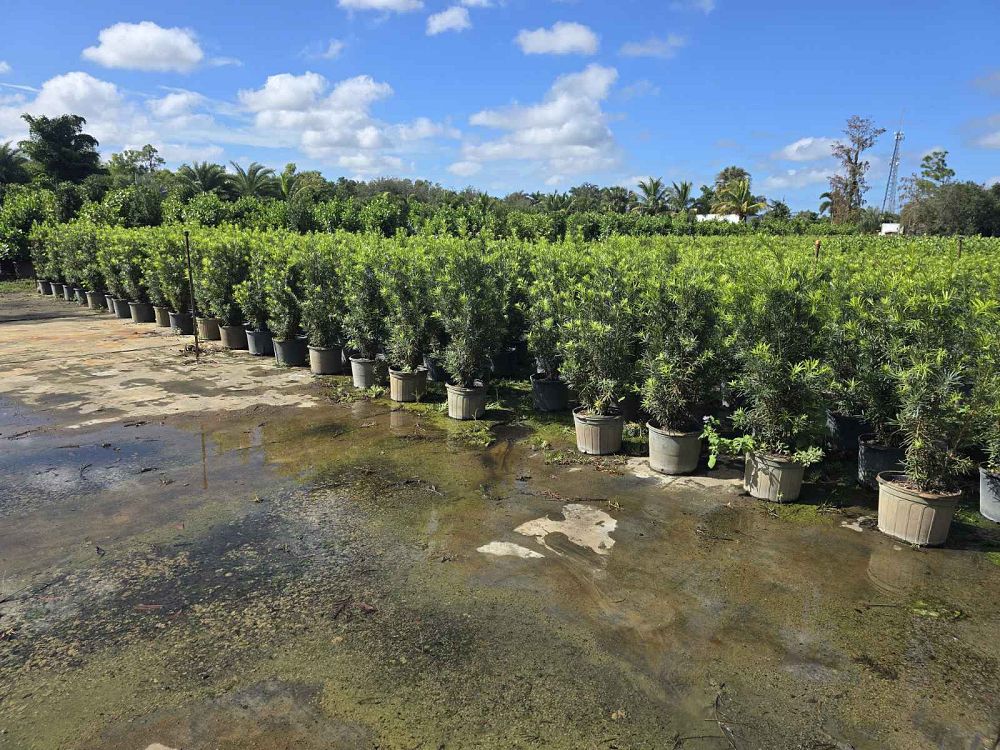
column 182, row 324
column 549, row 394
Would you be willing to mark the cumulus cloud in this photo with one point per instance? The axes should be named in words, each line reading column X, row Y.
column 565, row 134
column 385, row 6
column 807, row 149
column 564, row 38
column 455, row 18
column 796, row 178
column 664, row 48
column 4, row 67
column 146, row 46
column 334, row 123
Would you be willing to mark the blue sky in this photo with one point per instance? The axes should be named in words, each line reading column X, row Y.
column 516, row 94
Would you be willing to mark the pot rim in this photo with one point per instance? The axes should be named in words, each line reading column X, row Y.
column 536, row 377
column 404, row 375
column 580, row 416
column 362, row 360
column 868, row 438
column 315, row 348
column 888, row 478
column 671, row 433
column 465, row 389
column 774, row 458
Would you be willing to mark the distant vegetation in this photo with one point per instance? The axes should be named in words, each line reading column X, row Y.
column 56, row 175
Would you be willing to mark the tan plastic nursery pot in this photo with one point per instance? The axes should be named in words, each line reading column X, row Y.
column 773, row 478
column 407, row 386
column 208, row 329
column 363, row 372
column 910, row 515
column 466, row 403
column 673, row 452
column 598, row 434
column 325, row 360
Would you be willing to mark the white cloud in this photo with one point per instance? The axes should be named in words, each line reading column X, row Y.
column 146, row 46
column 334, row 124
column 385, row 6
column 993, row 181
column 796, row 178
column 176, row 153
column 456, row 18
column 175, row 104
column 284, row 91
column 4, row 67
column 565, row 134
column 990, row 140
column 807, row 149
column 564, row 38
column 705, row 6
column 465, row 168
column 477, row 3
column 654, row 47
column 333, row 49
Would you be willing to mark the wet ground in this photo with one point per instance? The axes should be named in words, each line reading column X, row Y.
column 218, row 553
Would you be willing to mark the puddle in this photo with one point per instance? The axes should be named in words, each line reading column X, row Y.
column 223, row 569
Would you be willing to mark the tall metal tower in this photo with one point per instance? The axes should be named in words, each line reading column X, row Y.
column 889, row 202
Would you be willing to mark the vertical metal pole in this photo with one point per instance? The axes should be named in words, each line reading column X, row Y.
column 194, row 306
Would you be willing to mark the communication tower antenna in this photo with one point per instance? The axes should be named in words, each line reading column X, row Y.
column 889, row 202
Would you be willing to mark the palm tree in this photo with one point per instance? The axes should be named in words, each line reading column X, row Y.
column 826, row 202
column 204, row 177
column 679, row 197
column 618, row 199
column 12, row 163
column 256, row 181
column 652, row 196
column 736, row 198
column 556, row 202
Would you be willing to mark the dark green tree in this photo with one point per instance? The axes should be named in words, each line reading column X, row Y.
column 59, row 148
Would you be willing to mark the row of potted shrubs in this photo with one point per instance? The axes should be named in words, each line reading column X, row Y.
column 757, row 350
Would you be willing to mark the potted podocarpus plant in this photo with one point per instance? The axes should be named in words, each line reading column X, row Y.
column 168, row 269
column 407, row 291
column 782, row 384
column 223, row 268
column 782, row 424
column 918, row 504
column 467, row 302
column 113, row 252
column 321, row 307
column 600, row 350
column 285, row 312
column 546, row 313
column 364, row 312
column 680, row 369
column 251, row 296
column 987, row 400
column 133, row 269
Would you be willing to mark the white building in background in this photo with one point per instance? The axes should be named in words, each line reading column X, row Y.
column 891, row 229
column 728, row 218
